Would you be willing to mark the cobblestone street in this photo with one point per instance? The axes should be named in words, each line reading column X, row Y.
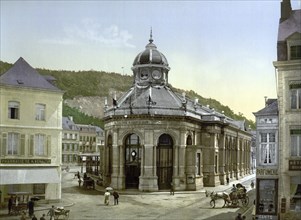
column 89, row 204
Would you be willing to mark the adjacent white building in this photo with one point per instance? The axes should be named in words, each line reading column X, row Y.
column 30, row 133
column 267, row 160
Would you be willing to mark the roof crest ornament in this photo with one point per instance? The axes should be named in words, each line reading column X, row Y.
column 151, row 36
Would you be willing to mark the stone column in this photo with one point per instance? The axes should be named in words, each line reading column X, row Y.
column 208, row 159
column 180, row 181
column 121, row 176
column 222, row 161
column 115, row 162
column 148, row 180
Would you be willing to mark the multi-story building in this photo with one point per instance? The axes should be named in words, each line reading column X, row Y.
column 81, row 145
column 158, row 139
column 30, row 133
column 91, row 140
column 267, row 161
column 70, row 142
column 288, row 77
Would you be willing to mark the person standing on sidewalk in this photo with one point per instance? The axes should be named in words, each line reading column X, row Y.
column 43, row 217
column 107, row 197
column 238, row 217
column 10, row 204
column 30, row 206
column 116, row 196
column 51, row 212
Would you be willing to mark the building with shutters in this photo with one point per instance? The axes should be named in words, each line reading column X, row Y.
column 288, row 79
column 267, row 160
column 30, row 133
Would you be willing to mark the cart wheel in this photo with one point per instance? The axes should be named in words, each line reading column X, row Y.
column 212, row 203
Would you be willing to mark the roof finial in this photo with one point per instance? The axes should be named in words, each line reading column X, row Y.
column 151, row 36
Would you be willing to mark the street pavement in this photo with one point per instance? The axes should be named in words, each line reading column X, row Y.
column 133, row 204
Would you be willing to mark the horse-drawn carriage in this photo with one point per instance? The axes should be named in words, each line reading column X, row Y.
column 232, row 199
column 61, row 212
column 89, row 183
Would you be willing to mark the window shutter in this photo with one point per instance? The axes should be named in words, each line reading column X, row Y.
column 31, row 145
column 22, row 145
column 49, row 145
column 4, row 144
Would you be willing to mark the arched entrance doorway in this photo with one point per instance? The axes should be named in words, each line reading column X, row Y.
column 132, row 161
column 164, row 161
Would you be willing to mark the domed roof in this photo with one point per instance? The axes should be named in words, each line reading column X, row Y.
column 150, row 55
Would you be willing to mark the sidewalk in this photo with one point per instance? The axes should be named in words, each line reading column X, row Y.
column 43, row 207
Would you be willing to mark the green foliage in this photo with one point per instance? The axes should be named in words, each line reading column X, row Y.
column 217, row 106
column 99, row 83
column 81, row 118
column 88, row 83
column 4, row 67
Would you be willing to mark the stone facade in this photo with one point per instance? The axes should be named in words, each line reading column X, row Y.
column 288, row 77
column 157, row 139
column 267, row 159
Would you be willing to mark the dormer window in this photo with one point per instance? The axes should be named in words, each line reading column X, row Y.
column 294, row 47
column 295, row 52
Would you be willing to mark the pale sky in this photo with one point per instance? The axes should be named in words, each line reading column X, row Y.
column 221, row 49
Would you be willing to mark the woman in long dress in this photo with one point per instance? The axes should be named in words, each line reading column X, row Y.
column 107, row 197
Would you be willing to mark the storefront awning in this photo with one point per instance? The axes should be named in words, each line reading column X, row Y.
column 28, row 175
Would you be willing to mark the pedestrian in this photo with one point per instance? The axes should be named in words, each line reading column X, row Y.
column 43, row 217
column 116, row 196
column 34, row 217
column 238, row 217
column 10, row 204
column 30, row 206
column 23, row 216
column 227, row 179
column 252, row 184
column 172, row 189
column 107, row 197
column 51, row 212
column 244, row 217
column 234, row 189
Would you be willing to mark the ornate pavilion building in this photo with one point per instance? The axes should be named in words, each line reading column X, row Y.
column 156, row 138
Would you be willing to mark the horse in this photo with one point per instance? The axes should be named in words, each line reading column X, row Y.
column 218, row 195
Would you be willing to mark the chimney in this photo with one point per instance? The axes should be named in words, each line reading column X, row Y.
column 266, row 101
column 286, row 10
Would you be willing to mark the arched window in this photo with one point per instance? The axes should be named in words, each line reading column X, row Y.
column 110, row 153
column 165, row 161
column 189, row 140
column 132, row 161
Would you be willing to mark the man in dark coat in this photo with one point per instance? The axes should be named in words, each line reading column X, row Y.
column 30, row 206
column 10, row 204
column 116, row 196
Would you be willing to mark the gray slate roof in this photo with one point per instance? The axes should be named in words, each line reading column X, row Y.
column 162, row 101
column 21, row 74
column 290, row 26
column 68, row 124
column 271, row 108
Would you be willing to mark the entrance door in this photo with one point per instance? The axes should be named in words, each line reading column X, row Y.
column 132, row 161
column 164, row 161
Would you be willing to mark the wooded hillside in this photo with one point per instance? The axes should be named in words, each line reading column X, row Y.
column 99, row 83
